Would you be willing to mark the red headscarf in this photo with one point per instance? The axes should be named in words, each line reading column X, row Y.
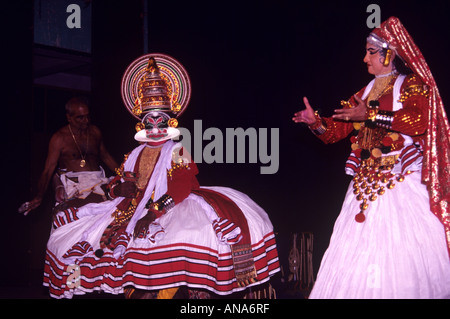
column 436, row 162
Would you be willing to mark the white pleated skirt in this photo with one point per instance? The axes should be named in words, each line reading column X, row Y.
column 399, row 251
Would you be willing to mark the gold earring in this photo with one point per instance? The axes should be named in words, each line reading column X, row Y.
column 387, row 59
column 139, row 126
column 173, row 122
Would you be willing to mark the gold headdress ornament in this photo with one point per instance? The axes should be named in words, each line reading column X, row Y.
column 436, row 162
column 156, row 82
column 152, row 91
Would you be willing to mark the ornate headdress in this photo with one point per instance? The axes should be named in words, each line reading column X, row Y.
column 154, row 84
column 436, row 165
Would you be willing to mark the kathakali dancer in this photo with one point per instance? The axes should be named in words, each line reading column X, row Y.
column 160, row 230
column 392, row 237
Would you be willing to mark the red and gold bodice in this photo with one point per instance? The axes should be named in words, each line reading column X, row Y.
column 383, row 152
column 410, row 120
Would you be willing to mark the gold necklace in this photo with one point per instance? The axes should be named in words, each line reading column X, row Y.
column 83, row 161
column 382, row 86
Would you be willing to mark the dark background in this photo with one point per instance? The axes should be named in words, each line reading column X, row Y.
column 250, row 63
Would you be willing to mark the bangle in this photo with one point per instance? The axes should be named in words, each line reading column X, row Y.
column 384, row 119
column 162, row 205
column 319, row 126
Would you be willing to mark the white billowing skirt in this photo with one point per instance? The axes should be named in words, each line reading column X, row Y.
column 184, row 251
column 399, row 251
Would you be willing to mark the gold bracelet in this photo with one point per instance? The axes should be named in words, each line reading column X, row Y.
column 318, row 127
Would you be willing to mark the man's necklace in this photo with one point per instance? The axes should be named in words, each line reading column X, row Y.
column 83, row 161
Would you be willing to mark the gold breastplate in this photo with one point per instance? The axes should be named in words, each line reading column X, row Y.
column 147, row 163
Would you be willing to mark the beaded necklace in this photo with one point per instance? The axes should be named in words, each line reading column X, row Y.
column 374, row 175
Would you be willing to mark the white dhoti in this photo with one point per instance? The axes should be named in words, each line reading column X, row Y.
column 82, row 184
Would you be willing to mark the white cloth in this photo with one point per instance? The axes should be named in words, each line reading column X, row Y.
column 399, row 251
column 189, row 221
column 87, row 182
column 101, row 213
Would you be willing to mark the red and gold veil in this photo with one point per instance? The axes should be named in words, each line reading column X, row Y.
column 436, row 161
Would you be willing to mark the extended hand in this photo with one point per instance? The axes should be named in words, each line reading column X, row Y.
column 354, row 114
column 25, row 208
column 305, row 116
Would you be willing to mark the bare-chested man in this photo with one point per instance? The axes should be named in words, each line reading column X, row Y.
column 75, row 152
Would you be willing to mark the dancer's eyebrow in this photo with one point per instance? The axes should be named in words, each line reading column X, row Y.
column 372, row 50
